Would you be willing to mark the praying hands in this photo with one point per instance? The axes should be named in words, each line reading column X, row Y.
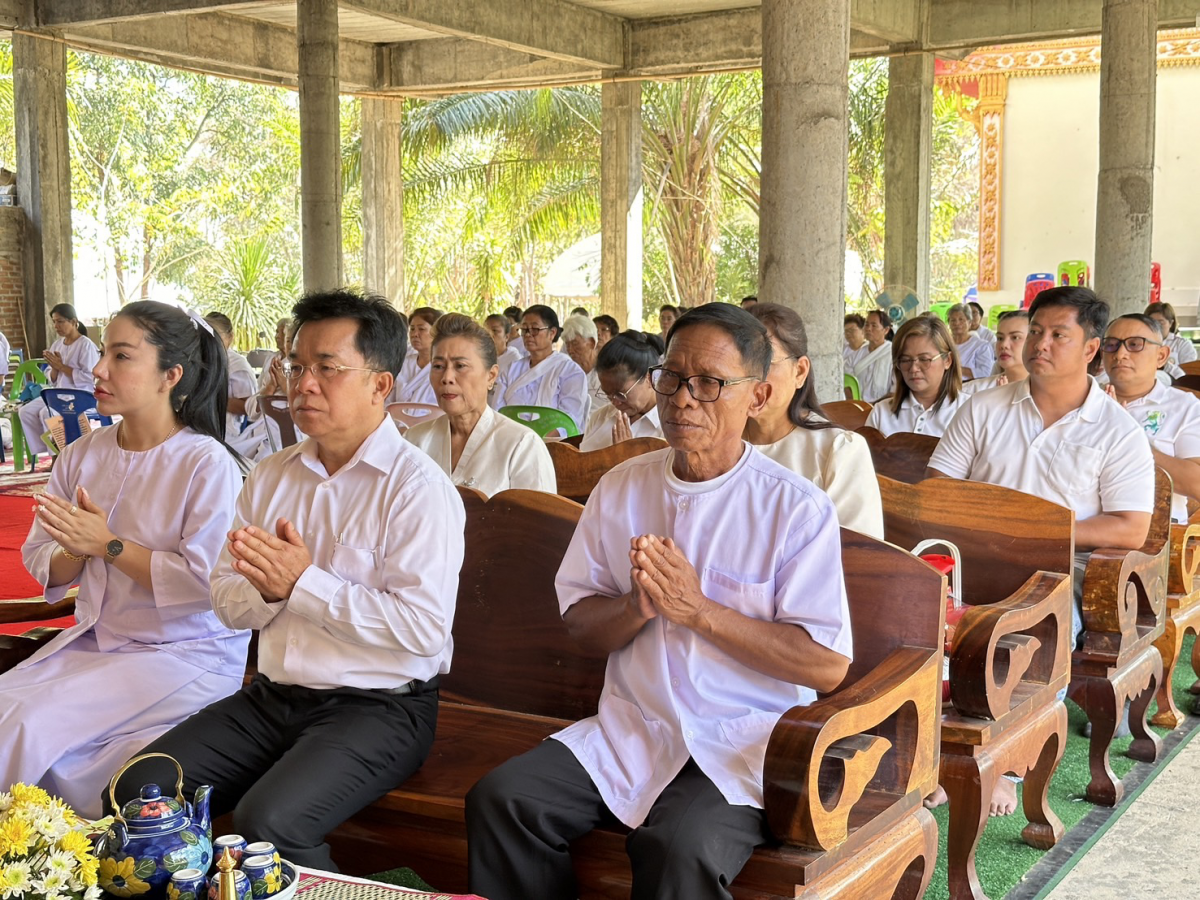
column 80, row 528
column 663, row 576
column 272, row 563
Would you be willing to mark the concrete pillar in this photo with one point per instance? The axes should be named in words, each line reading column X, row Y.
column 621, row 202
column 43, row 179
column 802, row 218
column 320, row 145
column 907, row 151
column 383, row 199
column 1125, row 192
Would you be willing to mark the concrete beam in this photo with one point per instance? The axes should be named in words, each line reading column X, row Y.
column 447, row 65
column 222, row 44
column 58, row 13
column 895, row 21
column 968, row 23
column 553, row 28
column 10, row 13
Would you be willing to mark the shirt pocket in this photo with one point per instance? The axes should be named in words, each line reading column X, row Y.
column 1077, row 468
column 627, row 741
column 355, row 565
column 748, row 735
column 751, row 598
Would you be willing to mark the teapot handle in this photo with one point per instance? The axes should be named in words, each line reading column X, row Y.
column 112, row 785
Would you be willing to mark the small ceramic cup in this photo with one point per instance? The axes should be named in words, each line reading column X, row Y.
column 234, row 843
column 266, row 877
column 240, row 882
column 187, row 884
column 263, row 848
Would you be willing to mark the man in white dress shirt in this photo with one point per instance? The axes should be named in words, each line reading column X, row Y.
column 345, row 556
column 710, row 576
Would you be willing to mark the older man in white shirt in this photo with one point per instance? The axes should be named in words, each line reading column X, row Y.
column 711, row 578
column 345, row 556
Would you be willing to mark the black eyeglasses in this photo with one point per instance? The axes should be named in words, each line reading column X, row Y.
column 1132, row 344
column 619, row 396
column 704, row 388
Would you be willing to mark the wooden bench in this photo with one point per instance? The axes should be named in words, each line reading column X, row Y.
column 1011, row 652
column 844, row 777
column 1183, row 616
column 16, row 648
column 577, row 472
column 902, row 456
column 849, row 414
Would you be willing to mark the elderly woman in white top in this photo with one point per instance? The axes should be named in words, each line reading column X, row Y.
column 975, row 355
column 474, row 446
column 791, row 430
column 874, row 371
column 71, row 359
column 545, row 377
column 928, row 381
column 1012, row 328
column 136, row 515
column 242, row 385
column 581, row 341
column 630, row 407
column 1182, row 350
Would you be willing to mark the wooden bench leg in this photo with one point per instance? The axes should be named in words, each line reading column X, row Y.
column 1146, row 743
column 969, row 781
column 1168, row 646
column 1045, row 829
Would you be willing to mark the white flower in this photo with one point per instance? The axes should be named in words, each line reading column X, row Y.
column 15, row 879
column 6, row 802
column 52, row 883
column 50, row 823
column 92, row 893
column 61, row 861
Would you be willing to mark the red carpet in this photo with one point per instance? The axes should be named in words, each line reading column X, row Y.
column 16, row 515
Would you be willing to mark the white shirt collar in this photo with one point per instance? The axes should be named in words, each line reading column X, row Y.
column 378, row 450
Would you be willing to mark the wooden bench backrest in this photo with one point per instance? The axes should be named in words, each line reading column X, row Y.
column 511, row 648
column 902, row 456
column 577, row 472
column 850, row 414
column 1004, row 536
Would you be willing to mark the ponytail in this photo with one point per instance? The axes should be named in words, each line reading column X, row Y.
column 201, row 396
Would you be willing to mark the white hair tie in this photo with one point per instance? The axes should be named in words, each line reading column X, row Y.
column 198, row 321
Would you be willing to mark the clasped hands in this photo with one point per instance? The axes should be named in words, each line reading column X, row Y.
column 272, row 563
column 80, row 528
column 663, row 582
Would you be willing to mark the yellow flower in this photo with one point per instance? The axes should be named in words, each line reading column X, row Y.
column 274, row 880
column 16, row 835
column 172, row 891
column 76, row 842
column 118, row 878
column 88, row 869
column 29, row 795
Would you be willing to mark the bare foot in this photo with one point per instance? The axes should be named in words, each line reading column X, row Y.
column 1004, row 798
column 937, row 798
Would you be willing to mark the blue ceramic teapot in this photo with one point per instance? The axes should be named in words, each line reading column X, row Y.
column 153, row 836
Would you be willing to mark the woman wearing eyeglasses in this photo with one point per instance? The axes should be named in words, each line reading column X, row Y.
column 473, row 445
column 546, row 377
column 928, row 381
column 791, row 430
column 629, row 405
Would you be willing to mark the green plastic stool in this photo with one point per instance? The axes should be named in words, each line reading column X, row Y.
column 850, row 383
column 542, row 419
column 995, row 312
column 31, row 370
column 940, row 310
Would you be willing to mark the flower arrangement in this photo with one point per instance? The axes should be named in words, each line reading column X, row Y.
column 45, row 853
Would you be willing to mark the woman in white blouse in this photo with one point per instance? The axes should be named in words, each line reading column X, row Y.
column 874, row 371
column 413, row 384
column 474, row 446
column 1182, row 350
column 975, row 355
column 928, row 381
column 71, row 359
column 791, row 430
column 1012, row 329
column 545, row 377
column 630, row 407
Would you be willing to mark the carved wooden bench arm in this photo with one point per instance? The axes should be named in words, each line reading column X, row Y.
column 1023, row 638
column 1185, row 558
column 1115, row 583
column 820, row 758
column 36, row 609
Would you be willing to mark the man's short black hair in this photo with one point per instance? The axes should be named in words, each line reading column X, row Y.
column 749, row 335
column 382, row 336
column 1090, row 311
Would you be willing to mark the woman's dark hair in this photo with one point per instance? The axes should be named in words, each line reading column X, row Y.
column 977, row 307
column 668, row 307
column 853, row 319
column 656, row 341
column 548, row 316
column 630, row 350
column 496, row 317
column 513, row 314
column 201, row 396
column 382, row 338
column 67, row 311
column 786, row 326
column 457, row 325
column 1090, row 311
column 220, row 321
column 938, row 333
column 1012, row 314
column 749, row 335
column 426, row 314
column 884, row 320
column 1167, row 311
column 609, row 323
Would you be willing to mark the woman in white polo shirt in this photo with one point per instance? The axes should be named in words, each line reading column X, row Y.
column 928, row 381
column 1012, row 329
column 1170, row 417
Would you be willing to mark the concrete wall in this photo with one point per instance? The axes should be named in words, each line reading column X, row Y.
column 1050, row 167
column 12, row 289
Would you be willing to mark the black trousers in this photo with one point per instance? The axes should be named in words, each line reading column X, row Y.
column 522, row 817
column 293, row 763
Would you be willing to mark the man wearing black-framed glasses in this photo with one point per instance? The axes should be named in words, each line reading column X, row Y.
column 711, row 577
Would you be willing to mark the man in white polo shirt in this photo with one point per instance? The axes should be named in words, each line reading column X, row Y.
column 1170, row 418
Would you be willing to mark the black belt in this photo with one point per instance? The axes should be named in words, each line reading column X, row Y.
column 416, row 686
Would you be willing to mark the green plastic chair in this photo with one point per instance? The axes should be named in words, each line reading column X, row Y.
column 995, row 312
column 850, row 383
column 30, row 370
column 940, row 310
column 542, row 419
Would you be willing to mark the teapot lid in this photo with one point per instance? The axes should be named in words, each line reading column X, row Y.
column 152, row 810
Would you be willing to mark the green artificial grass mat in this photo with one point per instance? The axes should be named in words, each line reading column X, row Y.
column 1002, row 859
column 405, row 878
